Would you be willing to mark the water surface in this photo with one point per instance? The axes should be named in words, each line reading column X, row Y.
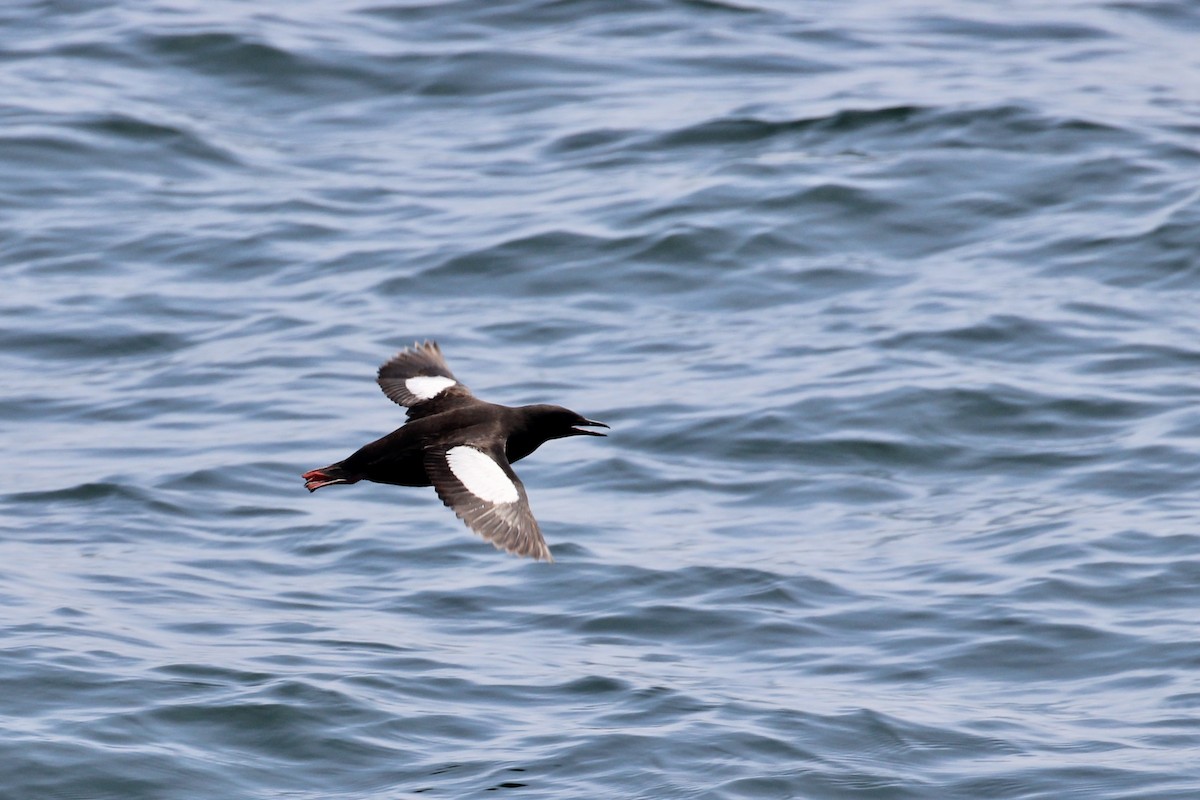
column 892, row 311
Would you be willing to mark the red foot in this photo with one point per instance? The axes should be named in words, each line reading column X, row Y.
column 315, row 479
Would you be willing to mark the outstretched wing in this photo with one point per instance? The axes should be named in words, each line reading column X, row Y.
column 479, row 485
column 417, row 377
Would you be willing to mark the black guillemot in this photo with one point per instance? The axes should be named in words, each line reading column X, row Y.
column 460, row 445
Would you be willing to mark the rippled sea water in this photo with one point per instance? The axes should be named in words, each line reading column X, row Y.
column 893, row 309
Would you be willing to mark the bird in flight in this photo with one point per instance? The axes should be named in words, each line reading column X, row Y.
column 462, row 446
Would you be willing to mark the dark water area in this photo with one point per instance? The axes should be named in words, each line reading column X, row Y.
column 893, row 309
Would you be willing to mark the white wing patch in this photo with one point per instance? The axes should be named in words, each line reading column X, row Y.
column 480, row 475
column 425, row 387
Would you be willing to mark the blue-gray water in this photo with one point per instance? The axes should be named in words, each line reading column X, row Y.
column 894, row 309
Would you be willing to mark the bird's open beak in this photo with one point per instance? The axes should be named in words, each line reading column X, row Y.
column 579, row 432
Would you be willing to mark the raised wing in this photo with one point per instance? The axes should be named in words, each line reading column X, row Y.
column 479, row 485
column 417, row 377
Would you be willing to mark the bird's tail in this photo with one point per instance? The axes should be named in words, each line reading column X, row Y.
column 316, row 478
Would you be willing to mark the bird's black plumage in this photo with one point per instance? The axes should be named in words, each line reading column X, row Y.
column 462, row 446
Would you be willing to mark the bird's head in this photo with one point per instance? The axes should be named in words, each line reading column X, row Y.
column 545, row 422
column 539, row 424
column 556, row 422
